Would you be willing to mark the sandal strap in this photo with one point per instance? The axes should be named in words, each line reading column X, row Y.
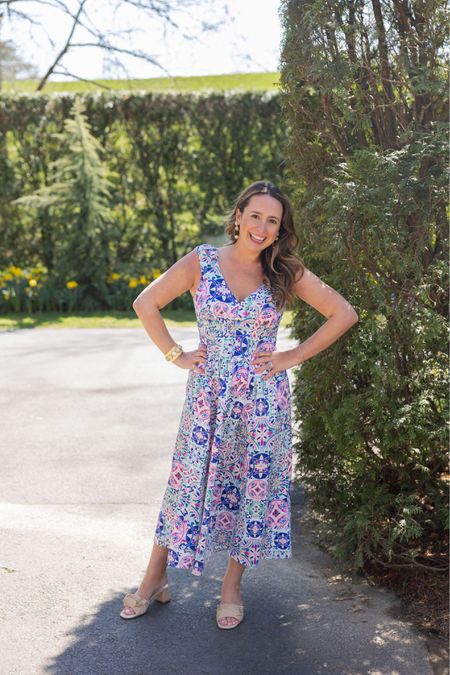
column 133, row 600
column 160, row 590
column 228, row 609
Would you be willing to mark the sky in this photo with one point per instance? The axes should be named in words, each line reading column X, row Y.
column 248, row 39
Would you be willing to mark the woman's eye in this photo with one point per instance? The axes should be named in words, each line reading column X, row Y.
column 256, row 215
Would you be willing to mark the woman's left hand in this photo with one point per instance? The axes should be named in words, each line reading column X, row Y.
column 273, row 362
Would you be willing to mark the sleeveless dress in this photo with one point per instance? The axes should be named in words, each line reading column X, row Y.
column 230, row 479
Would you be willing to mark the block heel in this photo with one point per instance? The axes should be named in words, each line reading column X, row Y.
column 163, row 596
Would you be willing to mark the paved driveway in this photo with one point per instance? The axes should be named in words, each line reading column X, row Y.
column 89, row 420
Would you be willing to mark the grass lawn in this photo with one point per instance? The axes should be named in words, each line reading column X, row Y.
column 100, row 320
column 240, row 81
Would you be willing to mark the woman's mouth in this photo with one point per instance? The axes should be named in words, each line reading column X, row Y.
column 257, row 239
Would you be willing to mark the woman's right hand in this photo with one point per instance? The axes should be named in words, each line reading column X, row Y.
column 195, row 360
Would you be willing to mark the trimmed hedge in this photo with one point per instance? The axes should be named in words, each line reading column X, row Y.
column 174, row 161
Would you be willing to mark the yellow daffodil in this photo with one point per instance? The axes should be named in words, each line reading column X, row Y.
column 72, row 284
column 133, row 283
column 16, row 271
column 32, row 282
column 142, row 279
column 156, row 273
column 7, row 276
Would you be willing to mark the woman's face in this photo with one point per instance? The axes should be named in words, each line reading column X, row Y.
column 260, row 221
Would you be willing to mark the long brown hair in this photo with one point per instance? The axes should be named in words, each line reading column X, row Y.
column 281, row 264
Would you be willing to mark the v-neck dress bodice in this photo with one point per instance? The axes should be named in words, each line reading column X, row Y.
column 230, row 478
column 227, row 292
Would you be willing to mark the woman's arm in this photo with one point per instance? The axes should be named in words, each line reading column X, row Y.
column 340, row 314
column 178, row 279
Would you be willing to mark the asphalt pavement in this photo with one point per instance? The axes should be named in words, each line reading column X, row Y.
column 88, row 424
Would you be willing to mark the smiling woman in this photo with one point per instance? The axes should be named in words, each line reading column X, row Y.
column 262, row 215
column 230, row 479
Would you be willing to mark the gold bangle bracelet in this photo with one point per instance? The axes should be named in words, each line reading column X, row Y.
column 177, row 354
column 173, row 353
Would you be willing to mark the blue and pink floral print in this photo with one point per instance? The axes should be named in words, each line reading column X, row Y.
column 229, row 484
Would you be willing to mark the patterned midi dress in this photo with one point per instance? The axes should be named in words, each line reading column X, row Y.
column 230, row 478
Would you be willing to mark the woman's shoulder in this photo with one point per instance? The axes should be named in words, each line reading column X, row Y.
column 205, row 245
column 202, row 253
column 205, row 250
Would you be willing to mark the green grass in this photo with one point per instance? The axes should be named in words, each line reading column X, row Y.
column 240, row 81
column 100, row 320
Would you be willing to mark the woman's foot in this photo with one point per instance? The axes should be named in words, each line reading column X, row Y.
column 147, row 588
column 231, row 592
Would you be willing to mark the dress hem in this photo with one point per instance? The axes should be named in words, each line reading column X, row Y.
column 197, row 567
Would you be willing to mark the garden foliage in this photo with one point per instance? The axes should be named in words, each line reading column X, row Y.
column 364, row 95
column 97, row 198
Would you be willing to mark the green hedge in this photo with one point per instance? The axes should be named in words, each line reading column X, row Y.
column 161, row 171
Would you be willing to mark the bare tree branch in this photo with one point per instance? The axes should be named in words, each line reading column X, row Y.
column 107, row 41
column 82, row 79
column 110, row 48
column 64, row 49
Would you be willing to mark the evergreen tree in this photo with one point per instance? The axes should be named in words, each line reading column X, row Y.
column 77, row 200
column 12, row 65
column 365, row 97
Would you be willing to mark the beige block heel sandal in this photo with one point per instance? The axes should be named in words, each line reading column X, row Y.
column 140, row 605
column 230, row 610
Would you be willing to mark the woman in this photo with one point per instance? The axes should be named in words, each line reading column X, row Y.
column 230, row 479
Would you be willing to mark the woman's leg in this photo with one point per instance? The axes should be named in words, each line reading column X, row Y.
column 155, row 575
column 231, row 588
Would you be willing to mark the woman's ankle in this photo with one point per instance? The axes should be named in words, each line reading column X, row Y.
column 154, row 579
column 230, row 581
